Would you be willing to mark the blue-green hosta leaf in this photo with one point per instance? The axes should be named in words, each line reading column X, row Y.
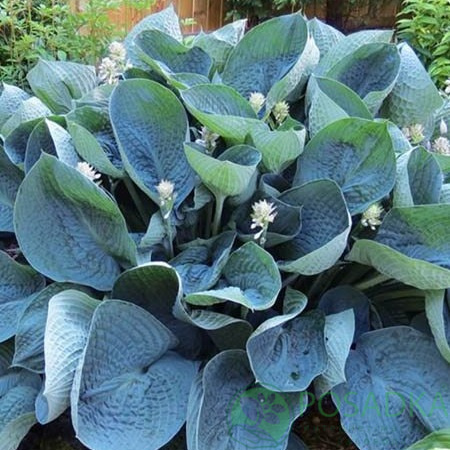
column 94, row 139
column 165, row 20
column 166, row 55
column 326, row 225
column 295, row 443
column 49, row 137
column 230, row 173
column 187, row 80
column 17, row 283
column 28, row 111
column 221, row 42
column 156, row 231
column 437, row 313
column 11, row 98
column 445, row 194
column 150, row 124
column 414, row 97
column 287, row 353
column 29, row 340
column 419, row 179
column 329, row 101
column 284, row 228
column 349, row 44
column 89, row 239
column 126, row 362
column 278, row 148
column 253, row 279
column 10, row 179
column 339, row 331
column 58, row 83
column 156, row 287
column 200, row 264
column 412, row 246
column 400, row 142
column 434, row 441
column 357, row 154
column 273, row 184
column 396, row 389
column 221, row 109
column 371, row 71
column 325, row 36
column 66, row 331
column 97, row 97
column 342, row 298
column 265, row 54
column 228, row 412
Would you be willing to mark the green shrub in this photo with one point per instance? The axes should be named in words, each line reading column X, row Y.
column 223, row 234
column 425, row 25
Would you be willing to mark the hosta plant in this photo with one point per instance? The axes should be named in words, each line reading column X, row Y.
column 209, row 237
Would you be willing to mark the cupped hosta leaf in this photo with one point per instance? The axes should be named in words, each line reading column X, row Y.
column 165, row 20
column 273, row 184
column 278, row 148
column 187, row 80
column 156, row 287
column 329, row 101
column 339, row 331
column 29, row 340
column 66, row 331
column 411, row 246
column 349, row 44
column 285, row 227
column 342, row 298
column 414, row 97
column 357, row 154
column 97, row 97
column 287, row 352
column 438, row 440
column 253, row 279
column 11, row 98
column 150, row 124
column 166, row 54
column 396, row 389
column 230, row 173
column 325, row 36
column 265, row 54
column 219, row 43
column 57, row 83
column 89, row 240
column 94, row 139
column 437, row 313
column 228, row 412
column 200, row 264
column 126, row 362
column 222, row 110
column 28, row 111
column 10, row 179
column 49, row 137
column 17, row 283
column 370, row 71
column 419, row 179
column 326, row 225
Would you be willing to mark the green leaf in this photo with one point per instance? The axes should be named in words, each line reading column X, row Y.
column 411, row 246
column 151, row 125
column 58, row 83
column 414, row 97
column 66, row 331
column 11, row 98
column 89, row 239
column 18, row 282
column 326, row 225
column 265, row 54
column 357, row 154
column 252, row 277
column 437, row 313
column 222, row 110
column 437, row 440
column 230, row 173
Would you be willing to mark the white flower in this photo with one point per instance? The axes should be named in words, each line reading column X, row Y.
column 414, row 133
column 443, row 129
column 263, row 214
column 371, row 217
column 280, row 112
column 108, row 71
column 165, row 190
column 257, row 101
column 447, row 86
column 88, row 171
column 441, row 145
column 117, row 51
column 208, row 139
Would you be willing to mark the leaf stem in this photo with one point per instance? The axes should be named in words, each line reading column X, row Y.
column 168, row 227
column 373, row 281
column 220, row 200
column 136, row 199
